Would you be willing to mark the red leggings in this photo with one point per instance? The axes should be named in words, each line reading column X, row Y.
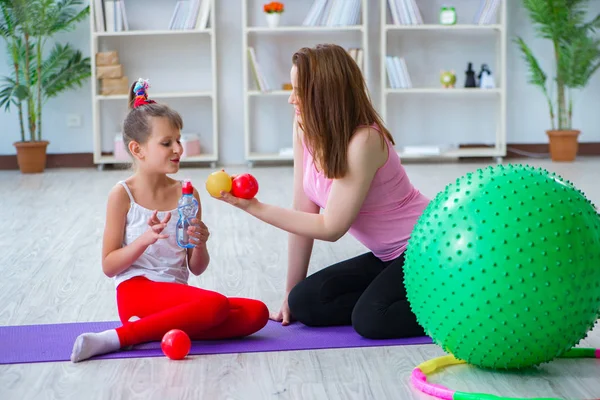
column 202, row 314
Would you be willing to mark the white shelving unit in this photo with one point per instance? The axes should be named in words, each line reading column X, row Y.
column 268, row 118
column 437, row 54
column 147, row 49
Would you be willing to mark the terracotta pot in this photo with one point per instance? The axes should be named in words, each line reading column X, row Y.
column 563, row 144
column 31, row 156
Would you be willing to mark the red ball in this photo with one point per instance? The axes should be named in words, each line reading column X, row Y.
column 244, row 186
column 176, row 344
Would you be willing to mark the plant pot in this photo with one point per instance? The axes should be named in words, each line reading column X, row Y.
column 273, row 19
column 563, row 144
column 31, row 156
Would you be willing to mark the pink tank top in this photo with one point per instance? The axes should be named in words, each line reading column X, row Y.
column 389, row 212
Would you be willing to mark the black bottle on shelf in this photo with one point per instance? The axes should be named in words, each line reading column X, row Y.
column 470, row 79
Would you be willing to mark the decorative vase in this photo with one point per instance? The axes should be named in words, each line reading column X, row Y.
column 273, row 19
column 31, row 156
column 563, row 144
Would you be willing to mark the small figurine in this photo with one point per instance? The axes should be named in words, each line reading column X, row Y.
column 447, row 15
column 470, row 79
column 486, row 80
column 448, row 79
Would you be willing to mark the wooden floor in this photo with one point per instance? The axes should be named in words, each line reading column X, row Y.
column 50, row 267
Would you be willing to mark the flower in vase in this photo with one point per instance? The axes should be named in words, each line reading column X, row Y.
column 273, row 7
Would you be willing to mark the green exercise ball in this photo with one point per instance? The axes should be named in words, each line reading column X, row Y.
column 503, row 267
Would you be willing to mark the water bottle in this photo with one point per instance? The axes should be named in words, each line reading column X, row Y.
column 187, row 208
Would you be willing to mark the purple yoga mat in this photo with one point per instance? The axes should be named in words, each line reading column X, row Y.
column 53, row 342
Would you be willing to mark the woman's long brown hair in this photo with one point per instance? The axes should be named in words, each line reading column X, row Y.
column 333, row 102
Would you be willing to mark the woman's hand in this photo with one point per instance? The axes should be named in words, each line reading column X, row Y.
column 198, row 232
column 283, row 315
column 240, row 203
column 156, row 227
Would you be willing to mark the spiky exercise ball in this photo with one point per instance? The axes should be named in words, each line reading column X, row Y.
column 503, row 268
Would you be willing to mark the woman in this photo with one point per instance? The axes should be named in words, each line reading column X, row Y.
column 344, row 163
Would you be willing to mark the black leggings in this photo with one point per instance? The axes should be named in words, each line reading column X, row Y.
column 364, row 292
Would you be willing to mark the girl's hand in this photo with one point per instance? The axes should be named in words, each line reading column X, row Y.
column 156, row 227
column 198, row 232
column 242, row 204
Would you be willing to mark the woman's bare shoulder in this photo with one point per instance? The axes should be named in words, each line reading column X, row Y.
column 368, row 143
column 368, row 139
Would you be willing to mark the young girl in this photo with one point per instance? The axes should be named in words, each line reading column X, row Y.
column 140, row 249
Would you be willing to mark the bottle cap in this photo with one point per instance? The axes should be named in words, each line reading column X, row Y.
column 187, row 187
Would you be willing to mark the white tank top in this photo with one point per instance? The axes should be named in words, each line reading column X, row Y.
column 163, row 261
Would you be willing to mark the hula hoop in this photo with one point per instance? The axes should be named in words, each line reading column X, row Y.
column 419, row 377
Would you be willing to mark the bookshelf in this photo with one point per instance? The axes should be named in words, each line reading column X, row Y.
column 156, row 40
column 303, row 24
column 427, row 120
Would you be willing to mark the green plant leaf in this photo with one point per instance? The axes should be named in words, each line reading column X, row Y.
column 11, row 93
column 69, row 70
column 540, row 12
column 56, row 16
column 536, row 76
column 555, row 19
column 593, row 24
column 21, row 93
column 579, row 59
column 7, row 96
column 7, row 20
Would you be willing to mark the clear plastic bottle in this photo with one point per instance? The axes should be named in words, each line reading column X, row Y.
column 188, row 209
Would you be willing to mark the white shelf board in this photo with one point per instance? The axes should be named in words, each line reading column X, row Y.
column 270, row 157
column 439, row 27
column 455, row 153
column 165, row 95
column 159, row 32
column 201, row 158
column 279, row 29
column 269, row 93
column 455, row 91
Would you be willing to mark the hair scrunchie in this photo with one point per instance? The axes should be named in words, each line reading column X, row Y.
column 141, row 93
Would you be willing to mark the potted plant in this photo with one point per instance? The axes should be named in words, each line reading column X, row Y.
column 273, row 11
column 38, row 73
column 576, row 59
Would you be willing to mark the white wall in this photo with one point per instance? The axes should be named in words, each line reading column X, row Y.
column 527, row 111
